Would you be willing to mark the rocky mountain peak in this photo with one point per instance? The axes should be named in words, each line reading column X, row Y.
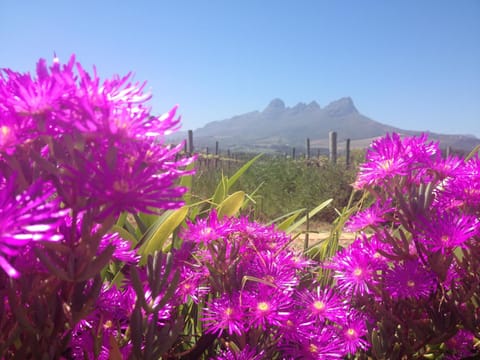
column 276, row 105
column 341, row 107
column 313, row 106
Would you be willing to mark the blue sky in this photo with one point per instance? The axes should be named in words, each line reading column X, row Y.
column 412, row 64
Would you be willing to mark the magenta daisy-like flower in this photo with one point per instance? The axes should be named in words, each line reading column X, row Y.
column 275, row 269
column 25, row 218
column 461, row 345
column 354, row 271
column 320, row 304
column 224, row 314
column 123, row 248
column 409, row 279
column 136, row 177
column 372, row 247
column 353, row 334
column 449, row 167
column 105, row 150
column 116, row 108
column 109, row 319
column 29, row 104
column 446, row 230
column 385, row 159
column 390, row 156
column 372, row 216
column 193, row 284
column 297, row 326
column 464, row 187
column 208, row 229
column 266, row 308
column 323, row 343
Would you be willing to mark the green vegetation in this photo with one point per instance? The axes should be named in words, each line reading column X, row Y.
column 279, row 186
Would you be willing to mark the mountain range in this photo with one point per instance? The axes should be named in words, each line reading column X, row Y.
column 279, row 128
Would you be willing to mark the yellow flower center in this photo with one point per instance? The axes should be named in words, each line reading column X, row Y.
column 263, row 306
column 351, row 332
column 108, row 324
column 319, row 305
column 5, row 130
column 5, row 134
column 207, row 231
column 357, row 272
column 386, row 165
column 410, row 283
column 228, row 311
column 313, row 348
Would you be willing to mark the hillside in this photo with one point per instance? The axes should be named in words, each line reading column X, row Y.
column 278, row 128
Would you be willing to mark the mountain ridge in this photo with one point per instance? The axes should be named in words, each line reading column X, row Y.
column 278, row 127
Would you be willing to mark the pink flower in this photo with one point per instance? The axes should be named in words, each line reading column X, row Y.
column 31, row 216
column 225, row 314
column 353, row 271
column 410, row 279
column 321, row 304
column 266, row 308
column 445, row 230
column 353, row 334
column 390, row 156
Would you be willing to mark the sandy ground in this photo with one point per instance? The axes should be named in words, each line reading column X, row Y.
column 319, row 232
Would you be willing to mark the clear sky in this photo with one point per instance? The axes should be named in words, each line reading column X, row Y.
column 413, row 64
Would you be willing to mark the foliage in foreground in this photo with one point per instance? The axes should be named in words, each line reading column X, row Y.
column 92, row 268
column 416, row 276
column 282, row 185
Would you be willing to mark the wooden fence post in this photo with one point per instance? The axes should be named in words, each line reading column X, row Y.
column 308, row 149
column 293, row 153
column 216, row 154
column 332, row 146
column 347, row 153
column 190, row 142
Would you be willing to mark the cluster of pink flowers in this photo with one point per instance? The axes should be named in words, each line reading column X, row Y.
column 263, row 296
column 75, row 153
column 78, row 154
column 414, row 268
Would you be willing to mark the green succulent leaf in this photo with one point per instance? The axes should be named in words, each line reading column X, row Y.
column 162, row 229
column 221, row 191
column 186, row 181
column 124, row 234
column 231, row 205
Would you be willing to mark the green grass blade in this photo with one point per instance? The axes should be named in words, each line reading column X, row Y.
column 233, row 179
column 285, row 224
column 311, row 214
